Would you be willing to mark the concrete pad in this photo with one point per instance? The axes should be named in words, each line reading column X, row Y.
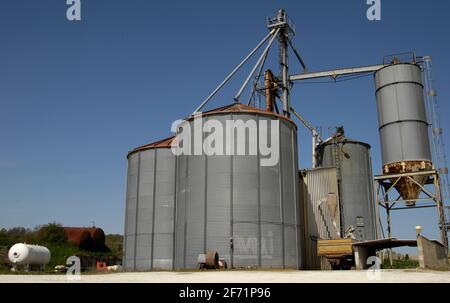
column 384, row 276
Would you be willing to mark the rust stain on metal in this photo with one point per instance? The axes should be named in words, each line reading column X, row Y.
column 407, row 188
column 231, row 108
column 212, row 260
column 164, row 143
column 242, row 108
column 270, row 89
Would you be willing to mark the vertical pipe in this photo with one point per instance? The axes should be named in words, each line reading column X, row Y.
column 372, row 206
column 388, row 219
column 268, row 85
column 377, row 212
column 284, row 72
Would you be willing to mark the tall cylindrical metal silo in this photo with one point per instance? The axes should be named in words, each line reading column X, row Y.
column 232, row 204
column 353, row 161
column 403, row 125
column 150, row 207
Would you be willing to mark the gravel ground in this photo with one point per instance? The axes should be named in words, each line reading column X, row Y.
column 384, row 276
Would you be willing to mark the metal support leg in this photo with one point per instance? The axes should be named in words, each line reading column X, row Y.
column 441, row 214
column 377, row 213
column 389, row 231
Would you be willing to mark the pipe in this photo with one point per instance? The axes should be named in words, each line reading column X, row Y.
column 269, row 87
column 298, row 55
column 285, row 89
column 232, row 73
column 238, row 95
column 316, row 139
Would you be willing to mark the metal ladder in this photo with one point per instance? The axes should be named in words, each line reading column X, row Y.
column 439, row 157
column 337, row 157
column 438, row 148
column 447, row 217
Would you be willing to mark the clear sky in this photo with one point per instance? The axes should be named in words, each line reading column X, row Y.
column 76, row 96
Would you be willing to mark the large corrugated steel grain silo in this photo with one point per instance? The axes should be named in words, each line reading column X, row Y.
column 231, row 204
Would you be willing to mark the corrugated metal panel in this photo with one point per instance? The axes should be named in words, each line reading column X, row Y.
column 144, row 217
column 181, row 212
column 218, row 214
column 163, row 229
column 130, row 213
column 319, row 194
column 291, row 259
column 271, row 246
column 195, row 214
column 143, row 251
column 246, row 244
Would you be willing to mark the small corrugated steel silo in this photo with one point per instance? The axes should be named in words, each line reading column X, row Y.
column 352, row 158
column 150, row 202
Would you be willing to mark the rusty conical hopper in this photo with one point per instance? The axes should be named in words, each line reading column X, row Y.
column 407, row 188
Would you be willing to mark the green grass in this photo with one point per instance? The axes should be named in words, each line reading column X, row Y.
column 401, row 264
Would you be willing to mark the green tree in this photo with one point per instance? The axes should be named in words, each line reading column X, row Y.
column 51, row 233
column 115, row 243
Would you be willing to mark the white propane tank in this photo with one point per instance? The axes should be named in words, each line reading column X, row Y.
column 26, row 254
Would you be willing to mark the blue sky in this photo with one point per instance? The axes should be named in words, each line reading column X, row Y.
column 76, row 96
